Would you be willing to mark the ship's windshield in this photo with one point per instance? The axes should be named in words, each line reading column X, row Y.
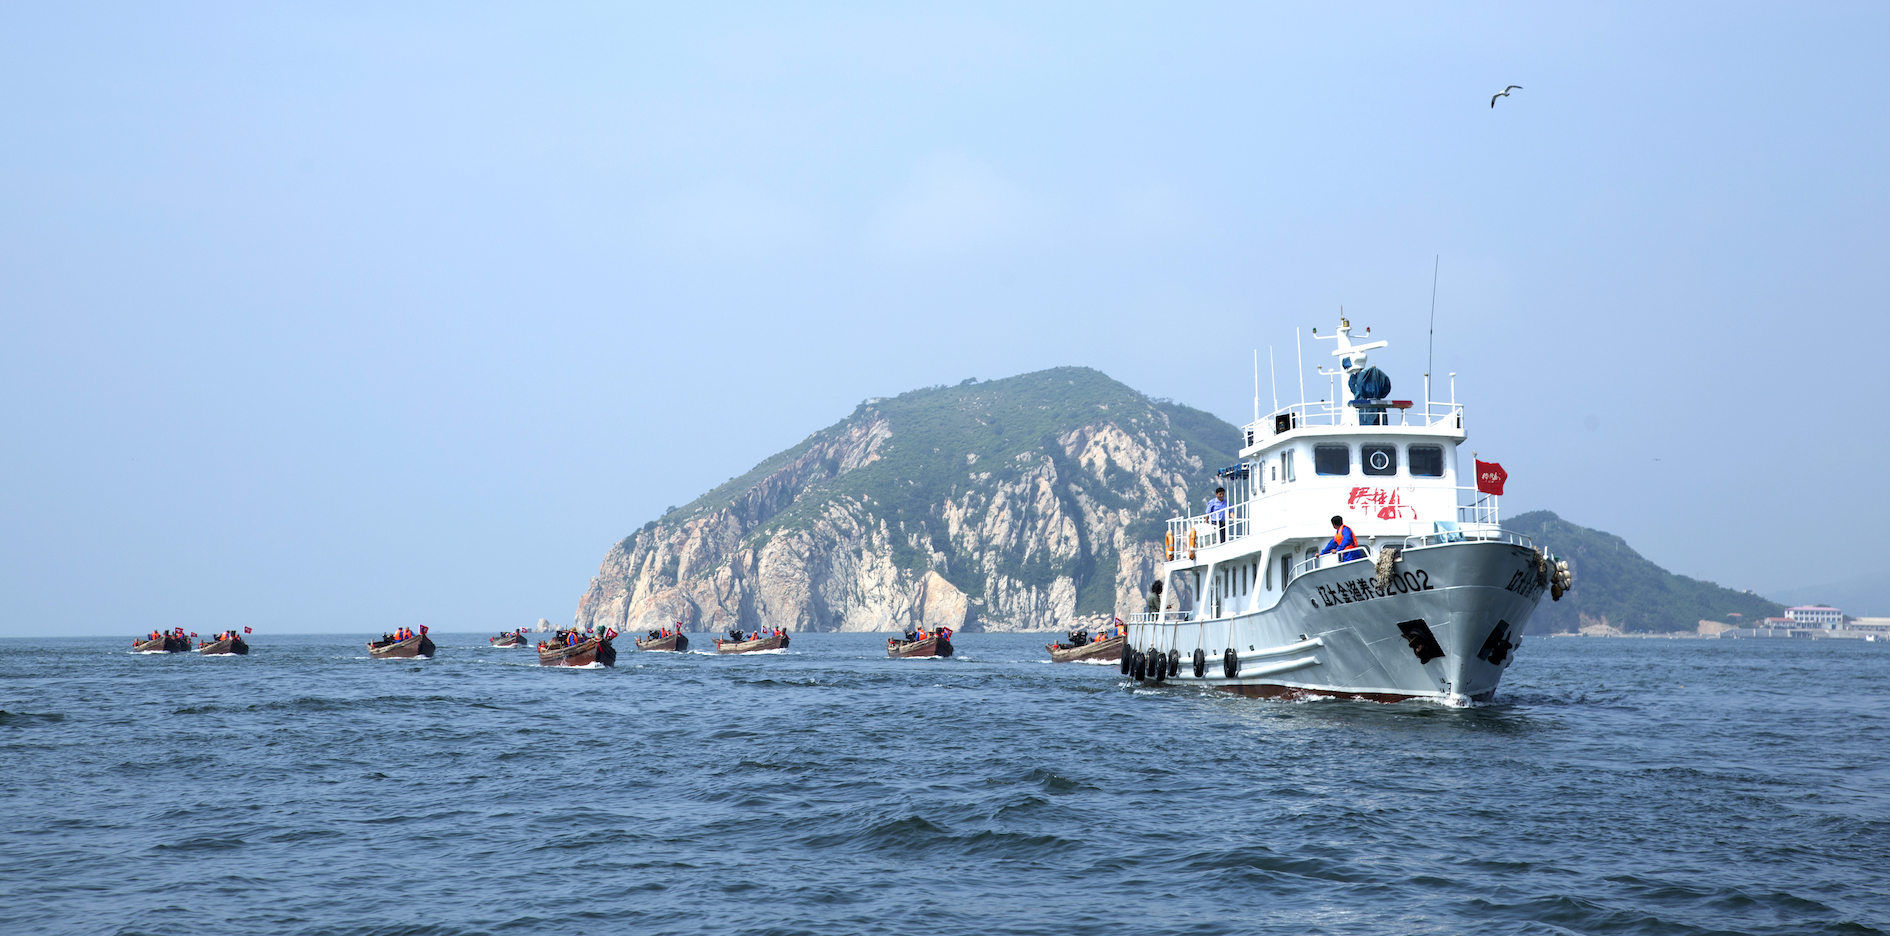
column 1332, row 459
column 1427, row 461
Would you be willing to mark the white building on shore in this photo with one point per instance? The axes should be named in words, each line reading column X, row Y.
column 1816, row 616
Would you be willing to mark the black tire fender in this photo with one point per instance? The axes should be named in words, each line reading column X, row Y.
column 1200, row 663
column 1231, row 663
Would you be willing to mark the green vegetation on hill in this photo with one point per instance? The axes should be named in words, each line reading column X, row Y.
column 1614, row 585
column 1011, row 426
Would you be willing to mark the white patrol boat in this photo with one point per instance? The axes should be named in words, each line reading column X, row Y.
column 1432, row 602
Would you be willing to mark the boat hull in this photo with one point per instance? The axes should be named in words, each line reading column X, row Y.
column 1444, row 627
column 1096, row 651
column 912, row 649
column 234, row 646
column 507, row 640
column 752, row 646
column 162, row 645
column 674, row 643
column 416, row 646
column 595, row 650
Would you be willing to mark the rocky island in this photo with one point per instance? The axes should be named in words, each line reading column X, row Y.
column 1015, row 504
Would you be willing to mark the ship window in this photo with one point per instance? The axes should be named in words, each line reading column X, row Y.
column 1332, row 459
column 1269, row 581
column 1286, row 466
column 1427, row 461
column 1378, row 459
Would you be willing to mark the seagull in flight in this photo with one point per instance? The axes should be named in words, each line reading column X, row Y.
column 1505, row 93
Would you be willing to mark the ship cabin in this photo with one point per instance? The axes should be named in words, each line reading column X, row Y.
column 1388, row 467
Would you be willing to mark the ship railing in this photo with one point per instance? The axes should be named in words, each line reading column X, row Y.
column 1324, row 413
column 1186, row 535
column 1470, row 533
column 1160, row 617
column 1482, row 509
column 1331, row 560
column 1448, row 533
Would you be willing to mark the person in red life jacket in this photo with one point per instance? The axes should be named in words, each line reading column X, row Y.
column 1342, row 542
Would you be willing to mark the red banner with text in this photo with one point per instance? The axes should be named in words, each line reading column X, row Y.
column 1490, row 477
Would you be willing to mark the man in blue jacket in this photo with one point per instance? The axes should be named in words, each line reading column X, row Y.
column 1342, row 541
column 1217, row 511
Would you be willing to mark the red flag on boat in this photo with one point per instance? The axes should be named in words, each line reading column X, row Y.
column 193, row 633
column 423, row 630
column 1490, row 477
column 610, row 633
column 245, row 630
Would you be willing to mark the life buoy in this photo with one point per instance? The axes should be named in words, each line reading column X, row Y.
column 1191, row 544
column 1231, row 663
column 1200, row 663
column 1168, row 541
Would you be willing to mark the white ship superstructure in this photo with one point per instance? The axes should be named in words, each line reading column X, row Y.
column 1431, row 605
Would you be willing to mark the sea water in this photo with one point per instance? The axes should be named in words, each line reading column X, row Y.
column 1616, row 786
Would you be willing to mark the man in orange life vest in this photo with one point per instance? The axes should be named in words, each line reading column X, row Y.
column 1342, row 541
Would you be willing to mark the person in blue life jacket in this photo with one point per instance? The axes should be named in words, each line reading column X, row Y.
column 1342, row 542
column 1217, row 511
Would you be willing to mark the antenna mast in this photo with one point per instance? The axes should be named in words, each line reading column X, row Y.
column 1430, row 350
column 1273, row 379
column 1301, row 351
column 1256, row 385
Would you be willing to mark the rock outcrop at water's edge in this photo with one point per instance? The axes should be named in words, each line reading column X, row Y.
column 1015, row 504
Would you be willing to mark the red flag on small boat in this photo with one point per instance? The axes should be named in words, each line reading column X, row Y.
column 423, row 630
column 245, row 630
column 610, row 633
column 193, row 633
column 1490, row 477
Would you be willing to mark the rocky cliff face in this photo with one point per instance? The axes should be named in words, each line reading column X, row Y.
column 1015, row 504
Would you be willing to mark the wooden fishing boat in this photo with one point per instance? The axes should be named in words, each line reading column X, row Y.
column 674, row 643
column 169, row 643
column 594, row 650
column 419, row 645
column 937, row 645
column 1107, row 650
column 227, row 645
column 769, row 642
column 513, row 639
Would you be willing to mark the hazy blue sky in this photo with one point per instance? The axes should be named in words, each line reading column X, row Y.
column 341, row 317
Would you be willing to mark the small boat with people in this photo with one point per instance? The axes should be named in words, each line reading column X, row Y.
column 665, row 640
column 921, row 643
column 578, row 648
column 226, row 643
column 160, row 642
column 738, row 642
column 510, row 639
column 1081, row 645
column 403, row 644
